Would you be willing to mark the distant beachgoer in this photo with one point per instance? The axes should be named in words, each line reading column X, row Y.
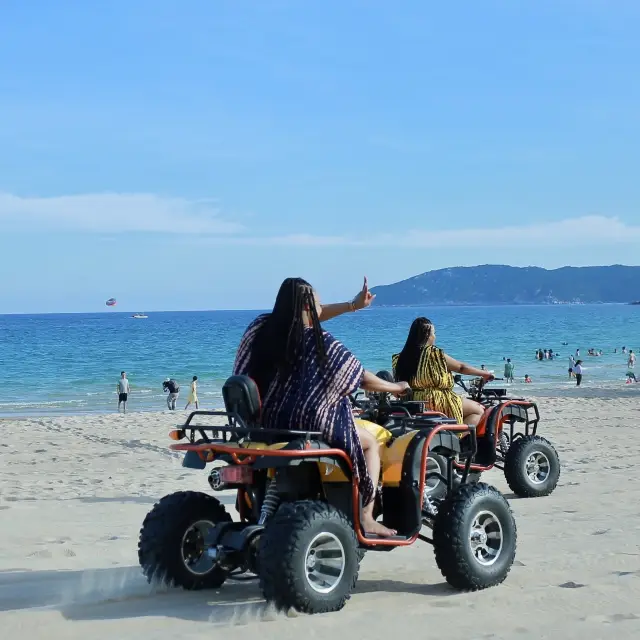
column 546, row 354
column 577, row 353
column 508, row 370
column 123, row 391
column 171, row 387
column 615, row 350
column 482, row 367
column 624, row 349
column 631, row 363
column 572, row 363
column 631, row 377
column 578, row 371
column 550, row 354
column 527, row 379
column 193, row 394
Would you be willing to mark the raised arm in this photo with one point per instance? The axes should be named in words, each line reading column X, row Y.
column 465, row 369
column 362, row 300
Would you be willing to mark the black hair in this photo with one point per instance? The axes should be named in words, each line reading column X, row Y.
column 122, row 373
column 195, row 377
column 279, row 343
column 419, row 334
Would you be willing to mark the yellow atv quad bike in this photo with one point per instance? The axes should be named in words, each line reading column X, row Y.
column 298, row 506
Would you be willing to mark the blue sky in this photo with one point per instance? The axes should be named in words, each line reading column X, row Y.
column 189, row 155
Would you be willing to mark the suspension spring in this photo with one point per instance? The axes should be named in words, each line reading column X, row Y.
column 271, row 502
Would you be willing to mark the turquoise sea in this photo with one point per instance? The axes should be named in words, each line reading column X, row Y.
column 53, row 364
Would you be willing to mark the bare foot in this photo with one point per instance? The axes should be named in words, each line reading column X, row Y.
column 371, row 526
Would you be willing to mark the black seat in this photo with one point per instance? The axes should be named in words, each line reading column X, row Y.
column 494, row 393
column 242, row 397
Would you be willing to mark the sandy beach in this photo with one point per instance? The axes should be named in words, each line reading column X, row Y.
column 74, row 492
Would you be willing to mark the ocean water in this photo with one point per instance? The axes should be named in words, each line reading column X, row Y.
column 53, row 364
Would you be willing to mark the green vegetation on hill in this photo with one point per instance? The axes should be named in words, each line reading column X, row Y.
column 500, row 284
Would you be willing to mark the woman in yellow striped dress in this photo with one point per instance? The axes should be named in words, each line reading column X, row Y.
column 428, row 370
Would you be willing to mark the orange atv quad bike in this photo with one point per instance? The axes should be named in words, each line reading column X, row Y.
column 298, row 509
column 530, row 462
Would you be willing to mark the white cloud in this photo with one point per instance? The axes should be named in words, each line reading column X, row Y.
column 583, row 231
column 576, row 232
column 114, row 213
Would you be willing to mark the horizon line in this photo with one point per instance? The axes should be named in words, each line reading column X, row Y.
column 383, row 306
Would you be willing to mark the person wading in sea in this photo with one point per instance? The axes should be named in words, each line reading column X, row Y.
column 123, row 389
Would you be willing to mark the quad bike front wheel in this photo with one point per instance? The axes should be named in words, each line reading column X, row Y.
column 172, row 546
column 532, row 467
column 474, row 537
column 308, row 558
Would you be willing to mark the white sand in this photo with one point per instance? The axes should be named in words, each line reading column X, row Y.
column 74, row 492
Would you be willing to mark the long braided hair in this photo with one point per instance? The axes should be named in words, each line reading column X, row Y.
column 409, row 358
column 278, row 347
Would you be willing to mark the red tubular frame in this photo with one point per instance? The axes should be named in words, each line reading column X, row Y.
column 501, row 421
column 252, row 454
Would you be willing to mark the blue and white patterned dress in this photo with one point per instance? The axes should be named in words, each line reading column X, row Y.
column 314, row 397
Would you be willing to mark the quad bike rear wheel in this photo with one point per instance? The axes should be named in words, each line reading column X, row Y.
column 532, row 467
column 172, row 545
column 474, row 537
column 435, row 488
column 308, row 558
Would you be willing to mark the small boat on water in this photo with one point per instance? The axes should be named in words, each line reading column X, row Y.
column 139, row 316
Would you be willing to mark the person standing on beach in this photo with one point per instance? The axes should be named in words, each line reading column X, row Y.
column 193, row 395
column 578, row 372
column 632, row 359
column 572, row 363
column 123, row 391
column 171, row 387
column 508, row 370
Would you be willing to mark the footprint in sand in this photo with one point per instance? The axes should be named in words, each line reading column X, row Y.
column 571, row 585
column 612, row 619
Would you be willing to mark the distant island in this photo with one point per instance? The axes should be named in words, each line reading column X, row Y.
column 501, row 284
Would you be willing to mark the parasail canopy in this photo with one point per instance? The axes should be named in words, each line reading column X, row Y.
column 111, row 302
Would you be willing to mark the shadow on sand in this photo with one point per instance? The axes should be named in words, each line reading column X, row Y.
column 122, row 593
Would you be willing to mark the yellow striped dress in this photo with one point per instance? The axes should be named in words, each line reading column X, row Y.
column 433, row 383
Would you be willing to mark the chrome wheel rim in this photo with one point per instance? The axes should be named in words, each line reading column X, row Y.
column 193, row 548
column 537, row 467
column 486, row 538
column 431, row 483
column 324, row 562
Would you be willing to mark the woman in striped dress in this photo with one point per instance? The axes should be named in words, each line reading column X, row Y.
column 305, row 376
column 428, row 370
